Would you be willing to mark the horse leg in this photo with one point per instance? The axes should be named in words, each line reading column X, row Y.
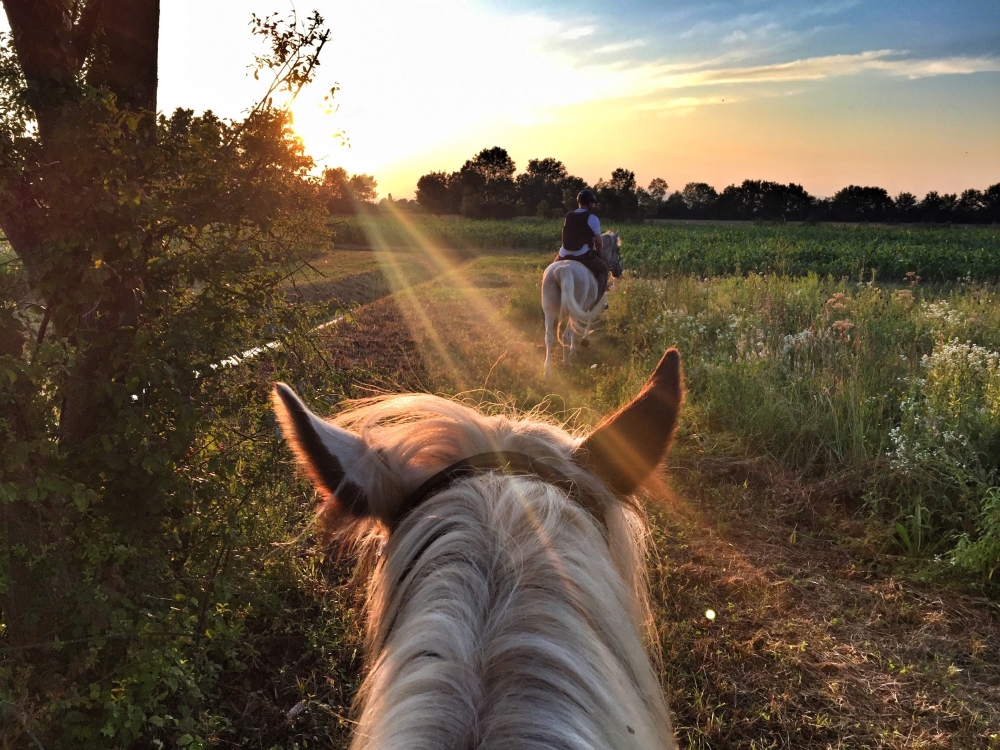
column 569, row 351
column 550, row 340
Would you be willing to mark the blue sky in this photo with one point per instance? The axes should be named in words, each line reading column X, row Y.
column 777, row 30
column 905, row 95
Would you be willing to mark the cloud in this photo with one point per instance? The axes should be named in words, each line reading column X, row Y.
column 577, row 32
column 611, row 49
column 887, row 62
column 715, row 28
column 830, row 7
column 684, row 104
column 736, row 36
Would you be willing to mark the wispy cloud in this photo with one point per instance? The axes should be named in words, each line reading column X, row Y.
column 577, row 32
column 715, row 28
column 829, row 8
column 684, row 104
column 888, row 62
column 611, row 49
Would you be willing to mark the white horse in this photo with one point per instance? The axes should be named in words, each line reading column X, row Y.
column 507, row 602
column 569, row 290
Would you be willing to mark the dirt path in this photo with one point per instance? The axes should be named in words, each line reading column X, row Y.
column 817, row 641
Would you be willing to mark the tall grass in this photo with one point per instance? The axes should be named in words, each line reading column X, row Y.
column 898, row 388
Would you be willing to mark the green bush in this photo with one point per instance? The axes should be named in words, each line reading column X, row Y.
column 149, row 595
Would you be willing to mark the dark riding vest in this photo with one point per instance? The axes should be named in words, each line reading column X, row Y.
column 576, row 232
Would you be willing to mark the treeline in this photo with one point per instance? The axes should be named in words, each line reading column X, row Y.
column 486, row 187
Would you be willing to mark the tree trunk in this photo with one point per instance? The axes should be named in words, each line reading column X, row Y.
column 131, row 35
column 52, row 39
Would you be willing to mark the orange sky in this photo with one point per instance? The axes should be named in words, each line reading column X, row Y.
column 901, row 94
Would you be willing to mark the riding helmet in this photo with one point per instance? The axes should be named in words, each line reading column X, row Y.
column 586, row 196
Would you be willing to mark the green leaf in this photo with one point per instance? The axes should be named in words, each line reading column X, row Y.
column 904, row 535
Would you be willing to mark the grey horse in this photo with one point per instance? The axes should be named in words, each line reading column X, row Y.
column 569, row 291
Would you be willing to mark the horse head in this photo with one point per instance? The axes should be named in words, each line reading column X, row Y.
column 612, row 252
column 507, row 602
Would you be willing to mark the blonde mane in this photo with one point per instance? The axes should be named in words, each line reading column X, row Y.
column 502, row 610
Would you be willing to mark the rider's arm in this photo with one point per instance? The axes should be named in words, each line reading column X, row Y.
column 595, row 226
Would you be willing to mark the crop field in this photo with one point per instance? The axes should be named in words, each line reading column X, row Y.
column 881, row 253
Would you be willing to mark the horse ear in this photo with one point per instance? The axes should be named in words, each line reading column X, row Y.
column 322, row 451
column 625, row 448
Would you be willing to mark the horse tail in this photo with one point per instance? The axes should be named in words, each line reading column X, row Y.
column 578, row 319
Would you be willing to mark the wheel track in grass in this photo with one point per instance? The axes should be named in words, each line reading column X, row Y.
column 819, row 639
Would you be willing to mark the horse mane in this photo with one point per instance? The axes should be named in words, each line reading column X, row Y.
column 500, row 612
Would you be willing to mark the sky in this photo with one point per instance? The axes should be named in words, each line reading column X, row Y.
column 904, row 94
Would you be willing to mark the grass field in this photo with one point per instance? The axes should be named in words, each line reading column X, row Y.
column 834, row 492
column 832, row 481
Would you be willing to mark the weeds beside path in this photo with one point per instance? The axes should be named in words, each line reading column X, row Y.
column 819, row 639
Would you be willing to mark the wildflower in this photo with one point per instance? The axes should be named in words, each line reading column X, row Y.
column 842, row 327
column 837, row 303
column 904, row 295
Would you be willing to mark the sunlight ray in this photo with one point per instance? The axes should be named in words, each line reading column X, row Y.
column 413, row 313
column 523, row 350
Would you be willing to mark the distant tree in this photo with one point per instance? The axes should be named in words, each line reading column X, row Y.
column 399, row 204
column 855, row 203
column 342, row 193
column 658, row 189
column 651, row 199
column 363, row 187
column 700, row 199
column 905, row 207
column 491, row 165
column 487, row 185
column 549, row 169
column 618, row 197
column 433, row 193
column 541, row 181
column 991, row 204
column 760, row 199
column 675, row 207
column 937, row 208
column 571, row 187
column 971, row 207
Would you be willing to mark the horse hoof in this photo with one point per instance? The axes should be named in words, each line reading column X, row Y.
column 585, row 343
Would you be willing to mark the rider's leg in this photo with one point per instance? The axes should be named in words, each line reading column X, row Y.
column 600, row 270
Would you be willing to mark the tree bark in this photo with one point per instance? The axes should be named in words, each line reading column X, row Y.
column 131, row 30
column 52, row 45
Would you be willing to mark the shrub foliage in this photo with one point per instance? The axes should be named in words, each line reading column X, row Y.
column 141, row 494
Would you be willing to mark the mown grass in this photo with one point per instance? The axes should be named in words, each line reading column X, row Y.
column 857, row 252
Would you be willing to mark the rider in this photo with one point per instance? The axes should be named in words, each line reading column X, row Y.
column 582, row 241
